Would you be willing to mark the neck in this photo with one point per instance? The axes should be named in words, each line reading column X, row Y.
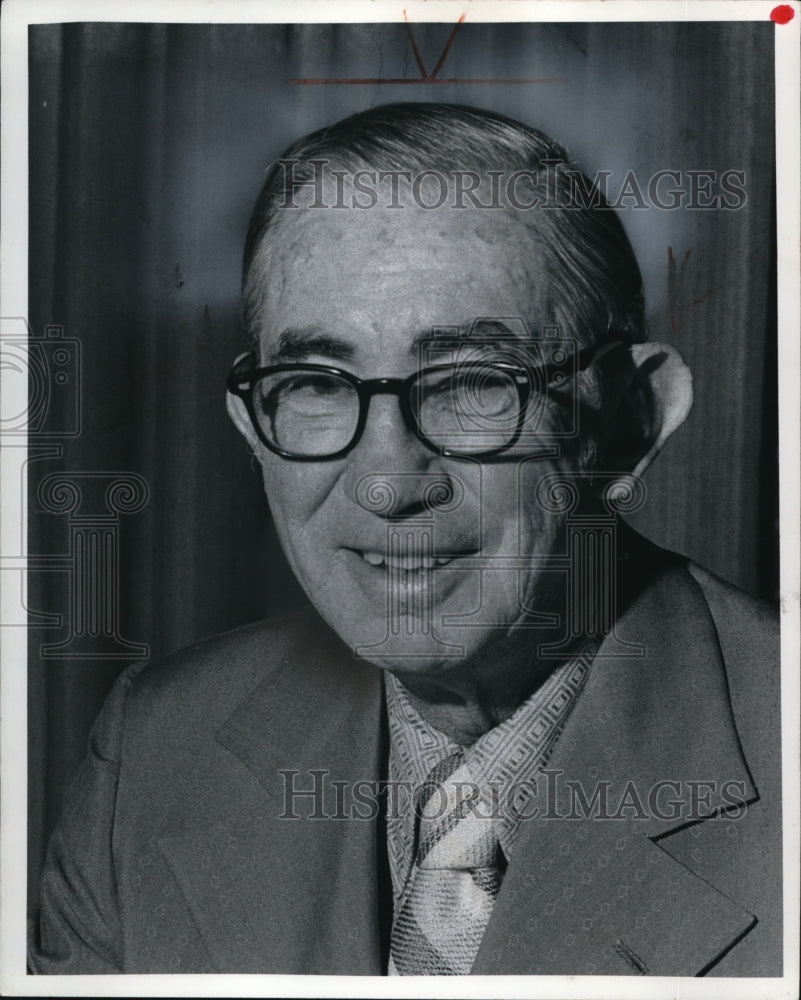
column 473, row 697
column 468, row 699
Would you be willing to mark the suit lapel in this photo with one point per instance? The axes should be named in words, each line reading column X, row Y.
column 585, row 894
column 285, row 885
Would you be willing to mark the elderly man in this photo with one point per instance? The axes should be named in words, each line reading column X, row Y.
column 510, row 735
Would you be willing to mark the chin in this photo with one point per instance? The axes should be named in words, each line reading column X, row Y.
column 404, row 648
column 446, row 653
column 414, row 666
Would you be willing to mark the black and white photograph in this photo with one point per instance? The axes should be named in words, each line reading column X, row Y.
column 400, row 508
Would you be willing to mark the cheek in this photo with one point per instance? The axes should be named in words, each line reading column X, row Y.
column 541, row 532
column 518, row 504
column 297, row 493
column 533, row 508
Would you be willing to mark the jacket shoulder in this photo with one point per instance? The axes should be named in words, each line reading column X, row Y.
column 196, row 688
column 230, row 661
column 746, row 622
column 748, row 635
column 747, row 628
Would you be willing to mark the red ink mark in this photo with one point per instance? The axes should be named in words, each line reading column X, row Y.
column 448, row 44
column 425, row 76
column 703, row 298
column 417, row 57
column 782, row 14
column 315, row 80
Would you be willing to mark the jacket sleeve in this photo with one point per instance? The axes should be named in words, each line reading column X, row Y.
column 78, row 927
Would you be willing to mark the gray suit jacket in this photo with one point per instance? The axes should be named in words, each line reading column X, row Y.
column 173, row 855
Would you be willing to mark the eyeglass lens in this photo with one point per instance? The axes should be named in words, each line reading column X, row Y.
column 307, row 413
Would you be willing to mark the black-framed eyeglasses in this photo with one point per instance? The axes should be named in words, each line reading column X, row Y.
column 473, row 409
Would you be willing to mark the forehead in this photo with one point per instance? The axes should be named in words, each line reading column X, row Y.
column 398, row 272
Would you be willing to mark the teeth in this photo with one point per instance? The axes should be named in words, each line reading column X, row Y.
column 407, row 563
column 374, row 558
column 410, row 563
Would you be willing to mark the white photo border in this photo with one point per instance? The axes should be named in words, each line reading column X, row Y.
column 17, row 16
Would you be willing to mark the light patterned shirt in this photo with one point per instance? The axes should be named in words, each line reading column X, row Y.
column 508, row 756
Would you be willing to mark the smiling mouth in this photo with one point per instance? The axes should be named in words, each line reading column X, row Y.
column 408, row 564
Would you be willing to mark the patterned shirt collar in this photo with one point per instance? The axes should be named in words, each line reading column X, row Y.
column 512, row 753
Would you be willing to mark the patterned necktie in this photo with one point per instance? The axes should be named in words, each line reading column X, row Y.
column 448, row 898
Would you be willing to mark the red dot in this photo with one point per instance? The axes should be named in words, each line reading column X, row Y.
column 782, row 14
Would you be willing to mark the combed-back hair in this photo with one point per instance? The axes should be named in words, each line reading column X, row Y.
column 594, row 280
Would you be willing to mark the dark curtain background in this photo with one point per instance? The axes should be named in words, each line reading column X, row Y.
column 148, row 144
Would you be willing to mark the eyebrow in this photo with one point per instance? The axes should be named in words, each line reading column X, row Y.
column 299, row 344
column 467, row 334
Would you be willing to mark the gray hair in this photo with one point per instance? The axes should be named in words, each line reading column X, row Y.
column 589, row 261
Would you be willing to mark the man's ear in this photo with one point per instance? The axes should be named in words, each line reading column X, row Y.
column 239, row 414
column 237, row 410
column 658, row 399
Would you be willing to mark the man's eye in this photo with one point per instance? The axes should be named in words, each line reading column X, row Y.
column 306, row 394
column 441, row 386
column 482, row 379
column 313, row 385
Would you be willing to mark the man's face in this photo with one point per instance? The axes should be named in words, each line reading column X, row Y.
column 359, row 290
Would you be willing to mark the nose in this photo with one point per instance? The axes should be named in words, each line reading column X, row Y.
column 390, row 470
